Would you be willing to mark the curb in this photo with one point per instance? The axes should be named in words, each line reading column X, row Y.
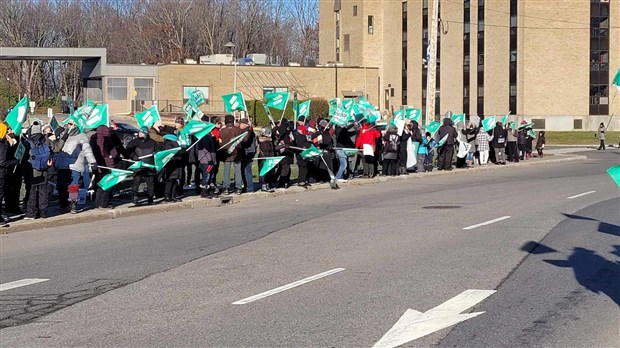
column 197, row 202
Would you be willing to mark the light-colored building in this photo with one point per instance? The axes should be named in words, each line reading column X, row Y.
column 547, row 61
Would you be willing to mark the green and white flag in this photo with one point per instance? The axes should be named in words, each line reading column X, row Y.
column 350, row 151
column 78, row 118
column 362, row 106
column 17, row 116
column 277, row 100
column 373, row 116
column 184, row 140
column 400, row 114
column 346, row 104
column 488, row 123
column 269, row 164
column 234, row 102
column 54, row 123
column 527, row 126
column 433, row 127
column 340, row 119
column 192, row 111
column 616, row 81
column 198, row 128
column 232, row 144
column 19, row 151
column 148, row 117
column 139, row 165
column 413, row 114
column 312, row 151
column 163, row 157
column 98, row 117
column 196, row 97
column 442, row 141
column 531, row 133
column 115, row 177
column 456, row 118
column 505, row 119
column 304, row 109
column 513, row 125
column 614, row 172
column 334, row 105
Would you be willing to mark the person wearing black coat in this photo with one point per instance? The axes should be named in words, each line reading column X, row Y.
column 301, row 141
column 446, row 151
column 283, row 139
column 172, row 172
column 107, row 149
column 5, row 164
column 323, row 141
column 500, row 136
column 266, row 149
column 142, row 149
column 402, row 150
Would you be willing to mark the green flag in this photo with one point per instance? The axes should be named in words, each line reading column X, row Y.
column 362, row 106
column 196, row 97
column 312, row 151
column 192, row 111
column 456, row 118
column 98, row 117
column 269, row 164
column 505, row 119
column 78, row 118
column 184, row 140
column 488, row 123
column 346, row 104
column 433, row 127
column 400, row 115
column 513, row 125
column 340, row 119
column 442, row 141
column 614, row 172
column 198, row 128
column 527, row 126
column 140, row 165
column 163, row 157
column 232, row 144
column 116, row 176
column 277, row 100
column 413, row 114
column 373, row 116
column 19, row 151
column 17, row 116
column 304, row 109
column 531, row 133
column 234, row 102
column 616, row 81
column 54, row 123
column 148, row 117
column 350, row 152
column 334, row 105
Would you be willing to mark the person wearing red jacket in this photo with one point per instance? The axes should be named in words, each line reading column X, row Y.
column 367, row 142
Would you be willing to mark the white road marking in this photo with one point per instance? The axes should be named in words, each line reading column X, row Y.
column 487, row 222
column 413, row 324
column 288, row 286
column 580, row 195
column 20, row 283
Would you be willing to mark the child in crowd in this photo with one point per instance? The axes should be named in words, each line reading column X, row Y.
column 429, row 143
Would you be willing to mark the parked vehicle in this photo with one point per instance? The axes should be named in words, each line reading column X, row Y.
column 125, row 131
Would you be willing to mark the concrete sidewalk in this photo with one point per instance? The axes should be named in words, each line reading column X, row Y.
column 89, row 214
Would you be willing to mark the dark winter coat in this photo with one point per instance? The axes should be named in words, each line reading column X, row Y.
column 500, row 137
column 447, row 128
column 416, row 134
column 226, row 135
column 141, row 147
column 206, row 150
column 5, row 162
column 174, row 168
column 106, row 147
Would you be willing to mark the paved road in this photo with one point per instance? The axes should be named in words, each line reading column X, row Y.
column 554, row 263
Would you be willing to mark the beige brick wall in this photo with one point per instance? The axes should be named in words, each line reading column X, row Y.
column 392, row 50
column 473, row 64
column 352, row 26
column 497, row 57
column 555, row 57
column 614, row 58
column 451, row 66
column 327, row 32
column 414, row 53
column 317, row 82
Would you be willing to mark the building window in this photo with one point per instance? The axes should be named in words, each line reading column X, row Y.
column 466, row 55
column 188, row 89
column 354, row 10
column 371, row 20
column 337, row 34
column 599, row 58
column 577, row 123
column 512, row 70
column 346, row 42
column 117, row 88
column 144, row 89
column 480, row 104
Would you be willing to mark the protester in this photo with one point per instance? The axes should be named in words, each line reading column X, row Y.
column 391, row 143
column 529, row 140
column 248, row 152
column 216, row 120
column 367, row 142
column 521, row 135
column 283, row 139
column 511, row 145
column 5, row 164
column 540, row 143
column 232, row 154
column 345, row 139
column 446, row 151
column 40, row 159
column 429, row 144
column 403, row 148
column 172, row 173
column 206, row 157
column 301, row 143
column 323, row 141
column 499, row 143
column 483, row 138
column 70, row 163
column 107, row 149
column 601, row 136
column 142, row 149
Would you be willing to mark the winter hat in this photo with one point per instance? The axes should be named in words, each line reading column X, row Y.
column 229, row 119
column 144, row 130
column 2, row 130
column 244, row 121
column 301, row 119
column 35, row 129
column 323, row 124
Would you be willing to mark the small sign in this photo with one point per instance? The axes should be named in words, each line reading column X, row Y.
column 32, row 105
column 19, row 152
column 54, row 123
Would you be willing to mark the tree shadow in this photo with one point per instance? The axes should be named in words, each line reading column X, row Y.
column 594, row 272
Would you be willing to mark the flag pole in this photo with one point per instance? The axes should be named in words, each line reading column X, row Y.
column 231, row 140
column 284, row 110
column 118, row 170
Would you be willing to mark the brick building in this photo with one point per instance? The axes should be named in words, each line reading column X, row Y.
column 547, row 61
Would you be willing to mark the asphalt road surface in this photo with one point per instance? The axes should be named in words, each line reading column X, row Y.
column 337, row 268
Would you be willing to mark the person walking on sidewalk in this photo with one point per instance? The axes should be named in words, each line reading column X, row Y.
column 540, row 143
column 601, row 136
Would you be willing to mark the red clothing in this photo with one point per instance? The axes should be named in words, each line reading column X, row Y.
column 216, row 133
column 302, row 130
column 367, row 136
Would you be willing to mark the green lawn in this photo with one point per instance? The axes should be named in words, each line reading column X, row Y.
column 580, row 138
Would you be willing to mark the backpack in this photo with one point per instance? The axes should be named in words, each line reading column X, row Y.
column 40, row 155
column 391, row 145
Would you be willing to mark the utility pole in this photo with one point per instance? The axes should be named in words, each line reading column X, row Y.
column 431, row 64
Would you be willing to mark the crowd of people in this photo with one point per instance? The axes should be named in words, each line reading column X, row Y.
column 64, row 159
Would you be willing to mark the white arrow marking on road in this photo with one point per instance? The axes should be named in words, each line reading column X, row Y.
column 487, row 222
column 413, row 324
column 20, row 283
column 288, row 286
column 580, row 195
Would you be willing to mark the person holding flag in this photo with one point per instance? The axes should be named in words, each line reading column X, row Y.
column 107, row 149
column 267, row 150
column 499, row 143
column 323, row 140
column 283, row 139
column 172, row 172
column 391, row 142
column 511, row 144
column 446, row 151
column 70, row 164
column 483, row 138
column 248, row 152
column 301, row 143
column 206, row 157
column 5, row 164
column 143, row 149
column 231, row 152
column 367, row 142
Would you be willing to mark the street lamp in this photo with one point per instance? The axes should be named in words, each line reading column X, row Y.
column 232, row 46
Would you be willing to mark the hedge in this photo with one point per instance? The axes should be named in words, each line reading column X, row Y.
column 318, row 108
